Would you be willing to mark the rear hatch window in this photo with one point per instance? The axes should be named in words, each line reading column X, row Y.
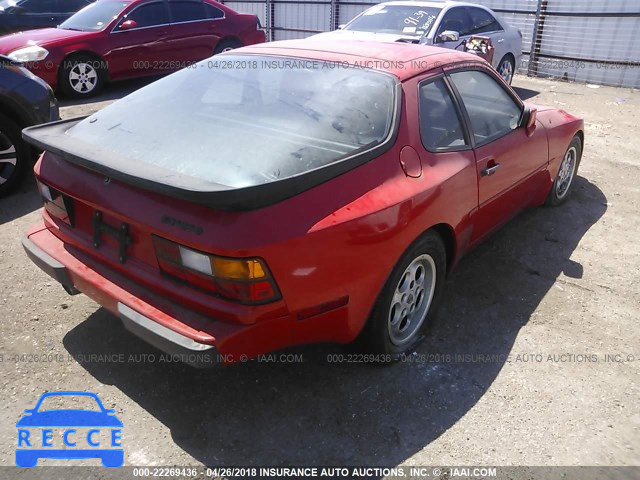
column 242, row 121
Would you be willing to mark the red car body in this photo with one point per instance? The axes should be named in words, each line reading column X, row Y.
column 137, row 52
column 330, row 248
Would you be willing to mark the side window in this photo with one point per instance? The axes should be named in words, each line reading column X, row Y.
column 492, row 111
column 440, row 125
column 213, row 12
column 457, row 20
column 482, row 21
column 186, row 11
column 40, row 6
column 71, row 6
column 149, row 15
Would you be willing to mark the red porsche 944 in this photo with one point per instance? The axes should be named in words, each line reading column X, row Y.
column 293, row 192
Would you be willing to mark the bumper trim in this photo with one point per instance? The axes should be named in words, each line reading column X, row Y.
column 173, row 343
column 49, row 265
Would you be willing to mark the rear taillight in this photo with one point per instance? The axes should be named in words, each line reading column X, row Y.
column 57, row 204
column 244, row 280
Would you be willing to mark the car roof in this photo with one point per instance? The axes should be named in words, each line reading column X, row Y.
column 404, row 60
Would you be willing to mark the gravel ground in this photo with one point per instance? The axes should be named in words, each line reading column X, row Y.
column 536, row 359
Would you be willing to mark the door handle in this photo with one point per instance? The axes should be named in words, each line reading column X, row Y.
column 490, row 170
column 501, row 40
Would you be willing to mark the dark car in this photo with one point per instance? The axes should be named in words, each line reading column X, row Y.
column 29, row 14
column 118, row 39
column 25, row 100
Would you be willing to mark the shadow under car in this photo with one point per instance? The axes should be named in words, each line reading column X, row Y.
column 320, row 412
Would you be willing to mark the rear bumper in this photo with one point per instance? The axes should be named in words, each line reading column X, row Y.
column 48, row 265
column 173, row 343
column 178, row 346
column 184, row 334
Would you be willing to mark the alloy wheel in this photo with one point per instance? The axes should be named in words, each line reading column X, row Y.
column 83, row 77
column 8, row 158
column 566, row 173
column 411, row 300
column 506, row 71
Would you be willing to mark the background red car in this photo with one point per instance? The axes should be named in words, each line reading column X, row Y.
column 320, row 191
column 118, row 39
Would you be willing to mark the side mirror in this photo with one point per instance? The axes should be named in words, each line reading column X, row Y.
column 449, row 36
column 128, row 25
column 341, row 26
column 529, row 117
column 29, row 410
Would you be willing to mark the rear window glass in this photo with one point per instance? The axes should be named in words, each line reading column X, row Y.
column 243, row 121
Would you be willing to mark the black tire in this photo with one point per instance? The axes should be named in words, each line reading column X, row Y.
column 14, row 155
column 226, row 45
column 81, row 76
column 377, row 337
column 560, row 192
column 507, row 68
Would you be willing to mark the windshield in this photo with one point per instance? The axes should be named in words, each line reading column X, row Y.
column 243, row 121
column 396, row 19
column 94, row 17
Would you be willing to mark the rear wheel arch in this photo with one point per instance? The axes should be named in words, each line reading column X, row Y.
column 437, row 245
column 448, row 237
column 510, row 56
column 228, row 40
column 446, row 234
column 580, row 135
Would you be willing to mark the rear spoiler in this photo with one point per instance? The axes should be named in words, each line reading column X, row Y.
column 52, row 137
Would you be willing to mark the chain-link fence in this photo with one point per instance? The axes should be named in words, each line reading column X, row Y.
column 594, row 41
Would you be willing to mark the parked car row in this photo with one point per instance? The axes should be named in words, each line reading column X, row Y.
column 105, row 41
column 443, row 24
column 113, row 40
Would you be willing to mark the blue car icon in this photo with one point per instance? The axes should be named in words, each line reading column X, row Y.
column 36, row 440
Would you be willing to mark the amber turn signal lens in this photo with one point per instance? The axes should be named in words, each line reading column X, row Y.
column 237, row 269
column 245, row 280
